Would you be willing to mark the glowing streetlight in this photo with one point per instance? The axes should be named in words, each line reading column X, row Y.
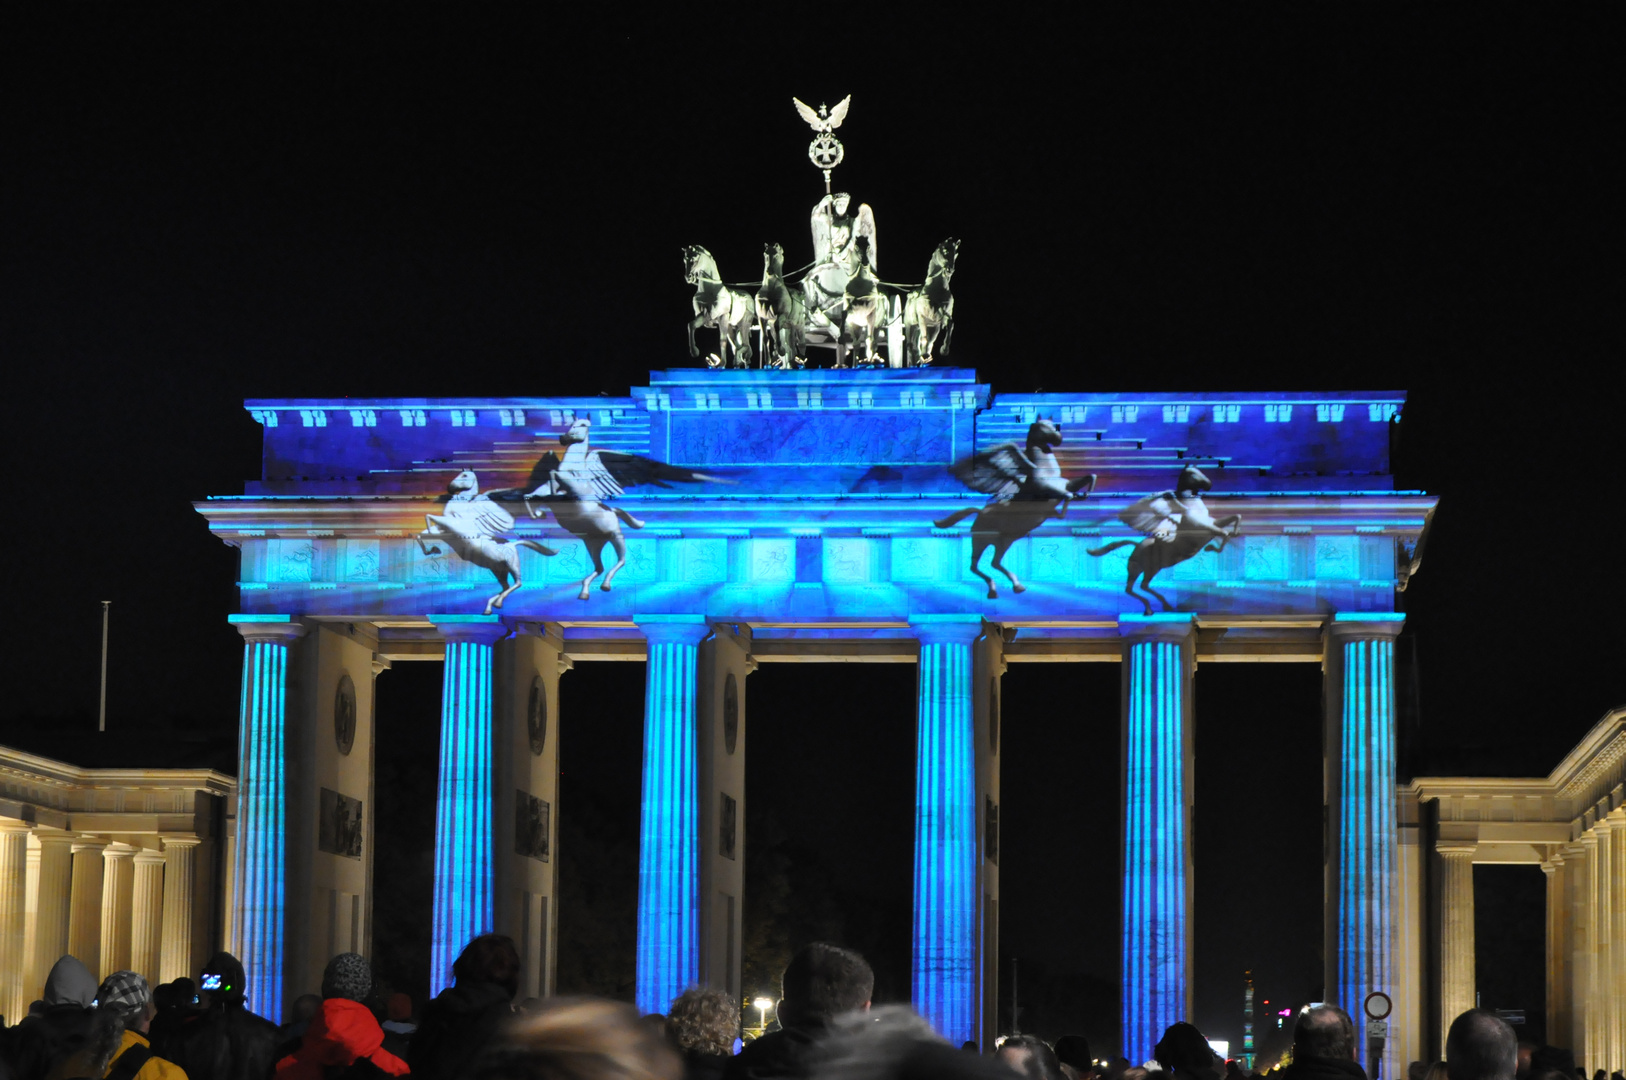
column 763, row 1005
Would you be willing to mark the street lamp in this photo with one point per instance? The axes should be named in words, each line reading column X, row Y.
column 763, row 1005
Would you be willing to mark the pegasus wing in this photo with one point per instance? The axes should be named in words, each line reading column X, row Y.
column 627, row 470
column 999, row 470
column 541, row 475
column 812, row 117
column 865, row 226
column 839, row 113
column 1157, row 516
column 479, row 516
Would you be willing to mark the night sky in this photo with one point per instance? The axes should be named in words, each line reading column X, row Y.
column 202, row 205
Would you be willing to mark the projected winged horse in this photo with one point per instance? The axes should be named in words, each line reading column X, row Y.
column 1027, row 489
column 472, row 527
column 578, row 486
column 1177, row 525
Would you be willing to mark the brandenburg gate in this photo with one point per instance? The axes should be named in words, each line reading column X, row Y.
column 715, row 520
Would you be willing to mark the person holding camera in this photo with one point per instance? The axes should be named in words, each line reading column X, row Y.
column 226, row 1041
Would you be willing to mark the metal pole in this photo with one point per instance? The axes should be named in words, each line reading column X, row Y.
column 101, row 722
column 1016, row 1009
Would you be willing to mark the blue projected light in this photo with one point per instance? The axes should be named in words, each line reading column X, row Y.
column 669, row 817
column 261, row 821
column 1155, row 888
column 464, row 905
column 945, row 939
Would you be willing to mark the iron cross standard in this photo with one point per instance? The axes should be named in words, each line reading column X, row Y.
column 825, row 151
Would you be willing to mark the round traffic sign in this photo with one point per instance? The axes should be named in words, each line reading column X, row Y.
column 1377, row 1005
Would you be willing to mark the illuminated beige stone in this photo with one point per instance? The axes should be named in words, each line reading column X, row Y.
column 49, row 938
column 180, row 881
column 13, row 874
column 118, row 878
column 1456, row 932
column 147, row 915
column 85, row 917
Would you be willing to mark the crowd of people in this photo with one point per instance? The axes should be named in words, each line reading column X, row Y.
column 828, row 1027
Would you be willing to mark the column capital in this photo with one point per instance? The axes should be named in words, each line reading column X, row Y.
column 1175, row 626
column 279, row 629
column 680, row 629
column 946, row 628
column 1457, row 848
column 478, row 629
column 1364, row 625
column 144, row 857
column 51, row 836
column 179, row 841
column 380, row 664
column 118, row 850
column 9, row 827
column 88, row 843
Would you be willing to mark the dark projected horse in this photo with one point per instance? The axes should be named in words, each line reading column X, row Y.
column 1028, row 490
column 1178, row 526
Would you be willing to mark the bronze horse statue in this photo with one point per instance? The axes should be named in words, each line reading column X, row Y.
column 1178, row 526
column 781, row 312
column 1028, row 490
column 716, row 305
column 928, row 312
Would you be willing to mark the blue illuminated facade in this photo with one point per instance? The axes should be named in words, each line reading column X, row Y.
column 669, row 818
column 1158, row 654
column 808, row 510
column 944, row 987
column 259, row 909
column 463, row 898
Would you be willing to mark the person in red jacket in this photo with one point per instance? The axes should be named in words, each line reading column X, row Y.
column 345, row 1034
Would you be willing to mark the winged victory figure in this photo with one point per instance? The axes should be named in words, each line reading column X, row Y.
column 1176, row 525
column 578, row 486
column 473, row 525
column 1026, row 488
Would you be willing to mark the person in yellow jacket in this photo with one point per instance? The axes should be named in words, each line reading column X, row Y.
column 126, row 995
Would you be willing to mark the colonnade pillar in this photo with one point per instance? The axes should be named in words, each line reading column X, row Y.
column 1456, row 934
column 179, row 930
column 53, row 885
column 725, row 662
column 668, row 956
column 946, row 968
column 1158, row 667
column 259, row 911
column 464, row 897
column 1359, row 697
column 1617, row 962
column 85, row 898
column 13, row 867
column 147, row 915
column 118, row 881
column 1601, row 1052
column 1558, row 1005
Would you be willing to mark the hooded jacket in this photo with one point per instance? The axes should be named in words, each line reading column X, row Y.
column 456, row 1026
column 343, row 1032
column 70, row 983
column 226, row 1042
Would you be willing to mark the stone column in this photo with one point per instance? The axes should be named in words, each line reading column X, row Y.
column 945, row 968
column 1558, row 1008
column 724, row 664
column 1601, row 1041
column 50, row 938
column 1617, row 962
column 669, row 816
column 1158, row 664
column 13, row 897
column 1578, row 890
column 85, row 916
column 118, row 879
column 989, row 656
column 1456, row 933
column 175, row 947
column 463, row 905
column 147, row 915
column 1359, row 699
column 258, row 905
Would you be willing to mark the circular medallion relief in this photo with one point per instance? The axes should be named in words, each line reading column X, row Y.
column 993, row 715
column 536, row 716
column 731, row 713
column 344, row 714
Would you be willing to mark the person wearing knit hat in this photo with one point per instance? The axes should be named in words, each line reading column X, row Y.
column 125, row 994
column 345, row 1031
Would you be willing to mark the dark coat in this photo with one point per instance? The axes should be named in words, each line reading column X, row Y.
column 789, row 1052
column 698, row 1066
column 225, row 1043
column 455, row 1027
column 1320, row 1068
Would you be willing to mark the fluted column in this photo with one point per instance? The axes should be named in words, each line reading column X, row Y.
column 258, row 915
column 1359, row 697
column 463, row 905
column 944, row 982
column 147, row 916
column 118, row 879
column 175, row 948
column 669, row 813
column 1601, row 1043
column 53, row 891
column 1456, row 933
column 85, row 912
column 1159, row 658
column 1617, row 962
column 1557, row 959
column 1578, row 896
column 13, row 897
